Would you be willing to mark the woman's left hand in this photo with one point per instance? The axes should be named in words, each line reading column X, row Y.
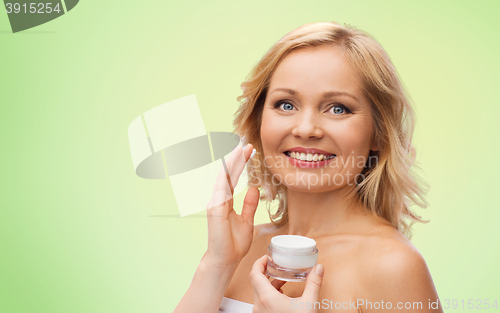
column 269, row 298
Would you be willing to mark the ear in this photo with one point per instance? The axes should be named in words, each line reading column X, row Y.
column 374, row 147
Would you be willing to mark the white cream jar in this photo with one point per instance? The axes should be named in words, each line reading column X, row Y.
column 291, row 257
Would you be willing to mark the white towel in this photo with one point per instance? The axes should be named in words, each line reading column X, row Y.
column 234, row 306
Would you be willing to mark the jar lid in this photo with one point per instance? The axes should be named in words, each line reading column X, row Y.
column 293, row 244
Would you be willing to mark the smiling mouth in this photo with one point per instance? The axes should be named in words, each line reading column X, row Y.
column 309, row 157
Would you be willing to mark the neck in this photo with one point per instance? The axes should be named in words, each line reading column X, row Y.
column 327, row 213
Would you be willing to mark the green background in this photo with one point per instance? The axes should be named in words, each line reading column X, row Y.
column 80, row 232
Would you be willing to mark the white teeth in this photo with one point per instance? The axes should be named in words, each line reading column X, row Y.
column 309, row 157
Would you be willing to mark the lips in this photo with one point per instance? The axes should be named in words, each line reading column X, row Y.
column 310, row 163
column 309, row 151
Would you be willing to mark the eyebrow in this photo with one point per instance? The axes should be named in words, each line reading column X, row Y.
column 327, row 94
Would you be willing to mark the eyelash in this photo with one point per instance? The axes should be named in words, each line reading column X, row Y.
column 347, row 111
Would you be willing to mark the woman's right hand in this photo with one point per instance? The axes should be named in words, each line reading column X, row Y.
column 229, row 234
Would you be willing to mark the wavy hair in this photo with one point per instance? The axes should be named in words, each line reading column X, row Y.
column 387, row 188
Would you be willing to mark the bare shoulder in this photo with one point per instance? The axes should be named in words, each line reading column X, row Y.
column 393, row 270
column 390, row 254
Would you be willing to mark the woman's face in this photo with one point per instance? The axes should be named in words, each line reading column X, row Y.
column 315, row 101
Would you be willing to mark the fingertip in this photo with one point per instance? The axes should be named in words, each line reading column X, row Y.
column 263, row 261
column 319, row 270
column 260, row 265
column 314, row 282
column 254, row 188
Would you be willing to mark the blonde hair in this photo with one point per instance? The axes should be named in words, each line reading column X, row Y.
column 387, row 188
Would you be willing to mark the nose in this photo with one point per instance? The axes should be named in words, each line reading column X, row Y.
column 307, row 125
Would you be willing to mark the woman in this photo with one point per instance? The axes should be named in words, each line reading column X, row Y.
column 332, row 91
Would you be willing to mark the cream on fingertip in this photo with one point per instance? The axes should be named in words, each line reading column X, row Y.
column 253, row 153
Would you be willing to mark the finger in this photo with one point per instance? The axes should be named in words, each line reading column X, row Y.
column 259, row 279
column 250, row 204
column 237, row 165
column 238, row 155
column 228, row 176
column 222, row 191
column 228, row 164
column 278, row 284
column 313, row 283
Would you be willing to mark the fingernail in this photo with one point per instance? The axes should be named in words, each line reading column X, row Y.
column 319, row 270
column 253, row 153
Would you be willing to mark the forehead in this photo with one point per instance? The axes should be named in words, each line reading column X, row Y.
column 314, row 70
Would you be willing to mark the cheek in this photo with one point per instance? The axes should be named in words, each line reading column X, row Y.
column 270, row 131
column 354, row 136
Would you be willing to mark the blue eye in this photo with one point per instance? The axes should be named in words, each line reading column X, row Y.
column 339, row 109
column 287, row 106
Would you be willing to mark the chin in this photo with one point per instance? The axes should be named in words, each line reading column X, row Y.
column 317, row 188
